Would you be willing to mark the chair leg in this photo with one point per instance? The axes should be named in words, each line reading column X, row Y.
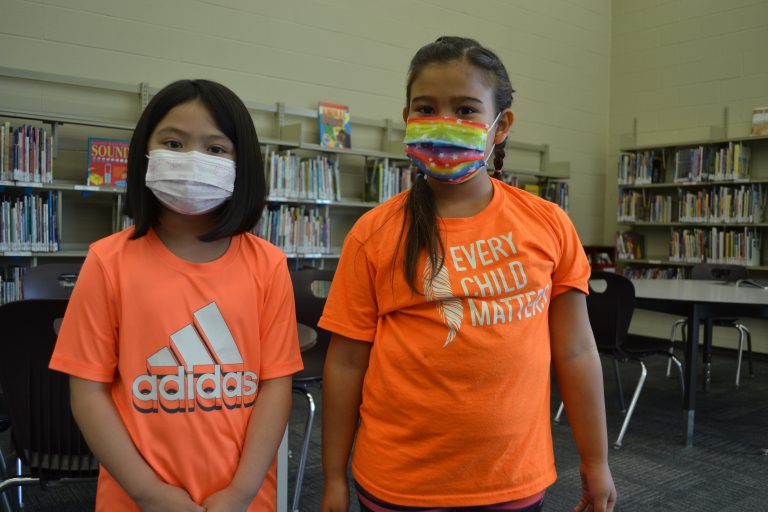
column 633, row 403
column 18, row 473
column 4, row 496
column 742, row 335
column 304, row 447
column 559, row 412
column 680, row 377
column 619, row 387
column 681, row 324
column 749, row 351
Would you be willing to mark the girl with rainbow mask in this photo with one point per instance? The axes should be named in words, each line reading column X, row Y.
column 450, row 303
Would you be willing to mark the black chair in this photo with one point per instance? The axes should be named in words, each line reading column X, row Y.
column 44, row 434
column 309, row 288
column 610, row 313
column 50, row 281
column 730, row 274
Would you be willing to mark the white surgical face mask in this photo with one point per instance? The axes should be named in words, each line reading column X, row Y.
column 190, row 183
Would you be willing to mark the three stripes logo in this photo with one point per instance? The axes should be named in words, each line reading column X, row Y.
column 200, row 368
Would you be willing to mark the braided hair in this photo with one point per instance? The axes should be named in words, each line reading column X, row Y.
column 420, row 219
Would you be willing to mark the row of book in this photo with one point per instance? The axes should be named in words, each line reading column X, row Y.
column 10, row 283
column 29, row 223
column 296, row 229
column 654, row 273
column 385, row 179
column 292, row 177
column 630, row 206
column 641, row 167
column 630, row 245
column 26, row 153
column 715, row 245
column 723, row 204
column 707, row 163
column 554, row 191
column 659, row 209
column 746, row 203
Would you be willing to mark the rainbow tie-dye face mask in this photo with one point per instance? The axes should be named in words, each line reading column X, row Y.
column 445, row 148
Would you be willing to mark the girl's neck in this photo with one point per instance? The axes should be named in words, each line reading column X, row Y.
column 180, row 234
column 463, row 199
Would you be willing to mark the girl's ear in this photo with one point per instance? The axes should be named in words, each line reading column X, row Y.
column 504, row 124
column 405, row 114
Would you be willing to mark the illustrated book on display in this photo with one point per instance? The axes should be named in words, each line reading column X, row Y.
column 107, row 162
column 335, row 131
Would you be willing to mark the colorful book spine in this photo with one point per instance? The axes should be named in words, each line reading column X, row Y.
column 295, row 229
column 29, row 223
column 26, row 153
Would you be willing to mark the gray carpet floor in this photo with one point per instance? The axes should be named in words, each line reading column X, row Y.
column 725, row 471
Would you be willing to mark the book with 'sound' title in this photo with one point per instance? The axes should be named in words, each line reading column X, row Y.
column 107, row 162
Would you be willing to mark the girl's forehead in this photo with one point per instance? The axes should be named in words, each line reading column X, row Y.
column 192, row 116
column 454, row 78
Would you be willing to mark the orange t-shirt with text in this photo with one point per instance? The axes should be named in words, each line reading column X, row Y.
column 456, row 405
column 184, row 346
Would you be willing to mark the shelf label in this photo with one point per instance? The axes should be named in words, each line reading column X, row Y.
column 32, row 184
column 18, row 253
column 92, row 188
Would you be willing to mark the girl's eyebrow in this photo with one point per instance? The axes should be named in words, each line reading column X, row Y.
column 170, row 130
column 467, row 98
column 454, row 99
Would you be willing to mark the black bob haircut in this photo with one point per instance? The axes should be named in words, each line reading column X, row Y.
column 243, row 210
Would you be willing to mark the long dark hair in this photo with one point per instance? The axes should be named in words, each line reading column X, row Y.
column 243, row 210
column 420, row 219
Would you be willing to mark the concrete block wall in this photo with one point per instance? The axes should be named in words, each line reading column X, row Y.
column 348, row 51
column 676, row 65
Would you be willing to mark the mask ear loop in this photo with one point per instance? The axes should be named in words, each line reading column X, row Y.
column 496, row 172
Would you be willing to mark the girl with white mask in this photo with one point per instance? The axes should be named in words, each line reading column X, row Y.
column 180, row 336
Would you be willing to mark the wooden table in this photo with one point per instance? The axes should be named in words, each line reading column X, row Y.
column 698, row 301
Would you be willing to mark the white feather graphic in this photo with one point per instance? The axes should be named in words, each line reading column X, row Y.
column 438, row 289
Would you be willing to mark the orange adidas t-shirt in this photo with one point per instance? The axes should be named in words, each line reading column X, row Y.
column 185, row 346
column 456, row 404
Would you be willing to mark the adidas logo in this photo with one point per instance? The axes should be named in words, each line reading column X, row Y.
column 200, row 368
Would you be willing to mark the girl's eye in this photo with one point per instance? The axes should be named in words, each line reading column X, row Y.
column 217, row 150
column 466, row 111
column 172, row 144
column 424, row 110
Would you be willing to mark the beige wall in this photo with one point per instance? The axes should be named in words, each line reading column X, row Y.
column 353, row 52
column 675, row 66
column 584, row 69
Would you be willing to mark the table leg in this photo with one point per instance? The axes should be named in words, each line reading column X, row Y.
column 707, row 355
column 689, row 396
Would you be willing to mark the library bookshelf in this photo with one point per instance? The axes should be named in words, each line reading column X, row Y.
column 693, row 202
column 75, row 214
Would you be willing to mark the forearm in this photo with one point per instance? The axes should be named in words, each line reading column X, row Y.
column 108, row 439
column 580, row 381
column 266, row 427
column 345, row 368
column 579, row 374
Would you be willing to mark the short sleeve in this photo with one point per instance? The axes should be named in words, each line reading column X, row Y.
column 87, row 343
column 351, row 309
column 280, row 354
column 572, row 269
